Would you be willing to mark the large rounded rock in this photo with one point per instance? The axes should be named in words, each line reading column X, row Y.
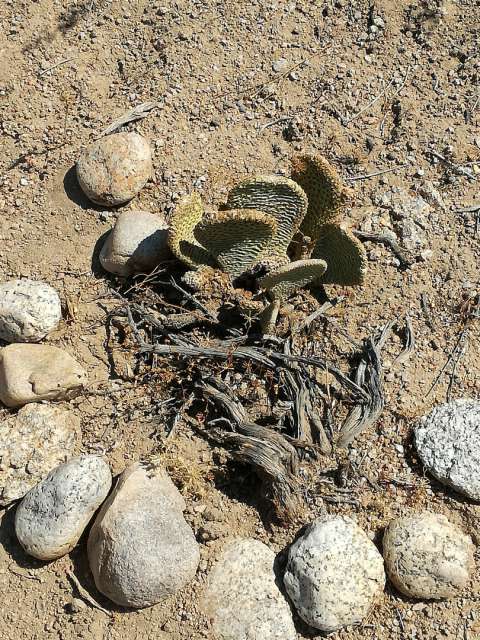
column 29, row 310
column 427, row 557
column 334, row 573
column 448, row 443
column 53, row 515
column 140, row 547
column 242, row 598
column 34, row 372
column 137, row 243
column 32, row 443
column 113, row 169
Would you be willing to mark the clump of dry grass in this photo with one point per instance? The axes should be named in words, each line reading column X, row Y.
column 188, row 474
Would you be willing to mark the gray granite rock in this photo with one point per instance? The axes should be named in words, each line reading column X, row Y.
column 114, row 169
column 53, row 515
column 448, row 443
column 140, row 547
column 137, row 243
column 34, row 372
column 410, row 214
column 29, row 310
column 427, row 557
column 32, row 443
column 334, row 573
column 242, row 598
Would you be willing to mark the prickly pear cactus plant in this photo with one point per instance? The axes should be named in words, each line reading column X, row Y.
column 255, row 228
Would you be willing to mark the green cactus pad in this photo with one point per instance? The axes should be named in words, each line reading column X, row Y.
column 326, row 193
column 293, row 276
column 236, row 237
column 344, row 254
column 276, row 196
column 181, row 240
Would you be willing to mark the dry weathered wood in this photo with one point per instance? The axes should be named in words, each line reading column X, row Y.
column 369, row 377
column 274, row 458
column 137, row 113
column 402, row 255
column 409, row 345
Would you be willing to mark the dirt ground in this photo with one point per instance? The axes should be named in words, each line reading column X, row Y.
column 241, row 86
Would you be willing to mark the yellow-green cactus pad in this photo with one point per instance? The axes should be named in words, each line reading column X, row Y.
column 291, row 277
column 181, row 240
column 326, row 193
column 277, row 196
column 344, row 254
column 236, row 237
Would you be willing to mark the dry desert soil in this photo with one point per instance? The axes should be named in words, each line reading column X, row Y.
column 242, row 86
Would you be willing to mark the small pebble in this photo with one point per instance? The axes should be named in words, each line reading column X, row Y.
column 281, row 65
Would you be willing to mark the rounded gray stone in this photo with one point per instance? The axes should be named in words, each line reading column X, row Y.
column 242, row 598
column 112, row 170
column 334, row 573
column 29, row 310
column 140, row 547
column 32, row 443
column 427, row 557
column 448, row 443
column 53, row 515
column 137, row 243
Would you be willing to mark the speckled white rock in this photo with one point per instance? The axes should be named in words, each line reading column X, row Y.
column 53, row 515
column 334, row 573
column 448, row 443
column 112, row 170
column 34, row 372
column 242, row 598
column 32, row 443
column 137, row 243
column 427, row 557
column 29, row 310
column 140, row 547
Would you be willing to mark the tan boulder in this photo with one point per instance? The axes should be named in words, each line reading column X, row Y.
column 34, row 372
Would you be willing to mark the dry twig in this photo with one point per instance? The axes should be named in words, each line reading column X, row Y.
column 137, row 113
column 85, row 595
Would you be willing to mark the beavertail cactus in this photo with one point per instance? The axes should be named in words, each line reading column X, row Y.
column 252, row 234
column 236, row 238
column 326, row 193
